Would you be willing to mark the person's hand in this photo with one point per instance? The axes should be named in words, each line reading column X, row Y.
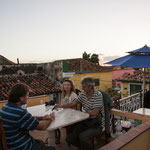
column 46, row 117
column 49, row 117
column 52, row 116
column 57, row 106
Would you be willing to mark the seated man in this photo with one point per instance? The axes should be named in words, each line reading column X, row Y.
column 17, row 121
column 92, row 103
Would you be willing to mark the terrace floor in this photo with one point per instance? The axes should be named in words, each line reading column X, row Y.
column 42, row 135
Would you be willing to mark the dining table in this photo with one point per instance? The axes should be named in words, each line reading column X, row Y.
column 63, row 118
column 143, row 111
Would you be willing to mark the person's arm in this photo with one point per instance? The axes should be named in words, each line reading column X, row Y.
column 47, row 119
column 74, row 96
column 94, row 112
column 39, row 117
column 68, row 105
column 43, row 124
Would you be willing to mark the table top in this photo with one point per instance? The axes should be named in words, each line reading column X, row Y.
column 40, row 110
column 143, row 111
column 63, row 117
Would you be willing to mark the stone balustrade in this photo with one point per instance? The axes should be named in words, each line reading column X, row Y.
column 130, row 103
column 136, row 138
column 120, row 125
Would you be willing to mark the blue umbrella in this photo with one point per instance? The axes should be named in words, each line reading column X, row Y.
column 139, row 58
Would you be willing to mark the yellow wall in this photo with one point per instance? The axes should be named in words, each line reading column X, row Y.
column 141, row 142
column 32, row 101
column 37, row 100
column 2, row 103
column 104, row 77
column 126, row 90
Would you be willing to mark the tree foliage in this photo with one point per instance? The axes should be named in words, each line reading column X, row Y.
column 92, row 58
column 86, row 56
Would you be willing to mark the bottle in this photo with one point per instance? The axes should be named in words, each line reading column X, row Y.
column 41, row 101
column 24, row 106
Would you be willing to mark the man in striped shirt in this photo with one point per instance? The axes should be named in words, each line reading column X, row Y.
column 17, row 121
column 92, row 103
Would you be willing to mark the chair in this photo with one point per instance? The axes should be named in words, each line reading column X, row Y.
column 108, row 104
column 3, row 144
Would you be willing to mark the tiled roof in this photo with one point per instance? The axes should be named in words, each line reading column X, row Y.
column 13, row 69
column 38, row 85
column 5, row 61
column 82, row 65
column 136, row 77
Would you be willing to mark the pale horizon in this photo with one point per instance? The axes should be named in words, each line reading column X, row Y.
column 48, row 30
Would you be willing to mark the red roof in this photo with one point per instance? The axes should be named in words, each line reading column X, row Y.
column 136, row 77
column 82, row 65
column 38, row 85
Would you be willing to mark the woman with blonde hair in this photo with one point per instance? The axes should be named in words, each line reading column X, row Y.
column 68, row 92
column 69, row 95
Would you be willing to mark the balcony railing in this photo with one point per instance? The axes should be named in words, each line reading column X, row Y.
column 127, row 125
column 136, row 138
column 130, row 103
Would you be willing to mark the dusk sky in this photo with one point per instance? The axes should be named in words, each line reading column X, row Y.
column 48, row 30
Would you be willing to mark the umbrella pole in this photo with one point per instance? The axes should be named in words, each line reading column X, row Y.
column 143, row 91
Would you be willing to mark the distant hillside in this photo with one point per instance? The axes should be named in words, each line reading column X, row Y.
column 5, row 61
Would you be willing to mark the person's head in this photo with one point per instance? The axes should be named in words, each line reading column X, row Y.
column 87, row 84
column 67, row 87
column 19, row 93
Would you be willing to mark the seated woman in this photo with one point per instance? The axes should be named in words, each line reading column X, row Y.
column 68, row 92
column 69, row 95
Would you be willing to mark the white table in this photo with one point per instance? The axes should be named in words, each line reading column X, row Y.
column 63, row 117
column 39, row 110
column 143, row 111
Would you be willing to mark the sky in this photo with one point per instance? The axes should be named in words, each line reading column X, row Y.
column 48, row 30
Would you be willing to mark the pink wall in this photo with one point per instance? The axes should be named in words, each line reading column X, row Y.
column 118, row 73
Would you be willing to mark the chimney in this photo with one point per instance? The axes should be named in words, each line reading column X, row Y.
column 18, row 61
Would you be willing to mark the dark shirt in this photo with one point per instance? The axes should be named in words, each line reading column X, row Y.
column 17, row 122
column 147, row 100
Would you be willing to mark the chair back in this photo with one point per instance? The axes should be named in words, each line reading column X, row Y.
column 3, row 144
column 108, row 104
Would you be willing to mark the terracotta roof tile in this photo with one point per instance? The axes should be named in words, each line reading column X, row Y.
column 38, row 85
column 137, row 76
column 82, row 65
column 5, row 61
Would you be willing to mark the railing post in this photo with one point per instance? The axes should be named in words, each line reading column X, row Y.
column 132, row 122
column 140, row 99
column 118, row 127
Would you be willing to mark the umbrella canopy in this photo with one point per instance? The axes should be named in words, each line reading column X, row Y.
column 144, row 50
column 139, row 58
column 139, row 61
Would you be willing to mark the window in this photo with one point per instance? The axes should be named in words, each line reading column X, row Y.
column 135, row 88
column 65, row 66
column 96, row 82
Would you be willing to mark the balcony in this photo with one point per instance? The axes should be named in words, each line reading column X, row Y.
column 137, row 137
column 129, row 130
